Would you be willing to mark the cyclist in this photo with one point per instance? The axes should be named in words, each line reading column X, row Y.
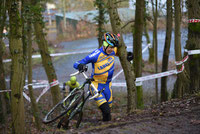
column 102, row 60
column 72, row 83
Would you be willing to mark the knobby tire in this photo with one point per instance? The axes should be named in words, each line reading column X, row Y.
column 65, row 121
column 77, row 95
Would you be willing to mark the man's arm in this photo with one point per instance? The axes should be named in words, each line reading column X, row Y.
column 65, row 84
column 88, row 59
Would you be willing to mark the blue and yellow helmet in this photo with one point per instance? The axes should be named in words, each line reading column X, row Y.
column 110, row 39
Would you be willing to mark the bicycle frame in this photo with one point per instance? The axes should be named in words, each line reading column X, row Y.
column 79, row 108
column 95, row 89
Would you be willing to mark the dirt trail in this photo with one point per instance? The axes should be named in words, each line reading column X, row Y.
column 172, row 117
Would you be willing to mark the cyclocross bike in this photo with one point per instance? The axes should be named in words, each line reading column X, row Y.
column 70, row 108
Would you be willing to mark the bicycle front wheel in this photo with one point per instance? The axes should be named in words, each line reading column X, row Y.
column 63, row 107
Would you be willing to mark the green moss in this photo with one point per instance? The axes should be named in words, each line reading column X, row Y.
column 195, row 27
column 140, row 103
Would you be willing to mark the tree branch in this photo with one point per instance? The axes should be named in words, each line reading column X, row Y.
column 127, row 23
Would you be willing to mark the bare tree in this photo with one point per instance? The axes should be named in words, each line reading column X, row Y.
column 129, row 75
column 193, row 44
column 34, row 106
column 100, row 19
column 3, row 108
column 27, row 19
column 155, row 43
column 148, row 18
column 137, row 47
column 17, row 68
column 179, row 86
column 166, row 50
column 43, row 46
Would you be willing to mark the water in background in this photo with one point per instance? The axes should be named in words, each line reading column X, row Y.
column 64, row 65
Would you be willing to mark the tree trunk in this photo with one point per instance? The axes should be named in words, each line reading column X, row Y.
column 146, row 33
column 129, row 75
column 164, row 95
column 101, row 20
column 17, row 73
column 46, row 58
column 152, row 49
column 28, row 54
column 137, row 47
column 34, row 106
column 155, row 44
column 2, row 87
column 181, row 77
column 3, row 108
column 193, row 44
column 177, row 47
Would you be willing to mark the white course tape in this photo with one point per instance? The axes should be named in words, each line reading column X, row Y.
column 139, row 80
column 53, row 55
column 193, row 20
column 42, row 93
column 36, row 85
column 117, row 74
column 54, row 83
column 148, row 46
column 154, row 76
column 27, row 97
column 1, row 91
column 119, row 84
column 192, row 52
column 182, row 61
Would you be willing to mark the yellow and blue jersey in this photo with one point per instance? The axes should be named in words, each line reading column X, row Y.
column 102, row 65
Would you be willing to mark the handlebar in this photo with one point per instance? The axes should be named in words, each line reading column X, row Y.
column 95, row 89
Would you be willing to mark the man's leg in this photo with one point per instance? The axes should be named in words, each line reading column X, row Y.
column 105, row 109
column 102, row 102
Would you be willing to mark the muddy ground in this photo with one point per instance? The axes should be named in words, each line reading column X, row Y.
column 172, row 117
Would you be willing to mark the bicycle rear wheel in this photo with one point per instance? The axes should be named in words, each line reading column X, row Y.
column 66, row 122
column 63, row 107
column 74, row 116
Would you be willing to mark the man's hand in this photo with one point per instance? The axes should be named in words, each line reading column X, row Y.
column 129, row 56
column 82, row 67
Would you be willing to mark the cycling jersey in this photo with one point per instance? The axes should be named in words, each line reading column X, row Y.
column 102, row 65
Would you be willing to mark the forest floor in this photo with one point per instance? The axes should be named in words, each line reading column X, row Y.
column 176, row 116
